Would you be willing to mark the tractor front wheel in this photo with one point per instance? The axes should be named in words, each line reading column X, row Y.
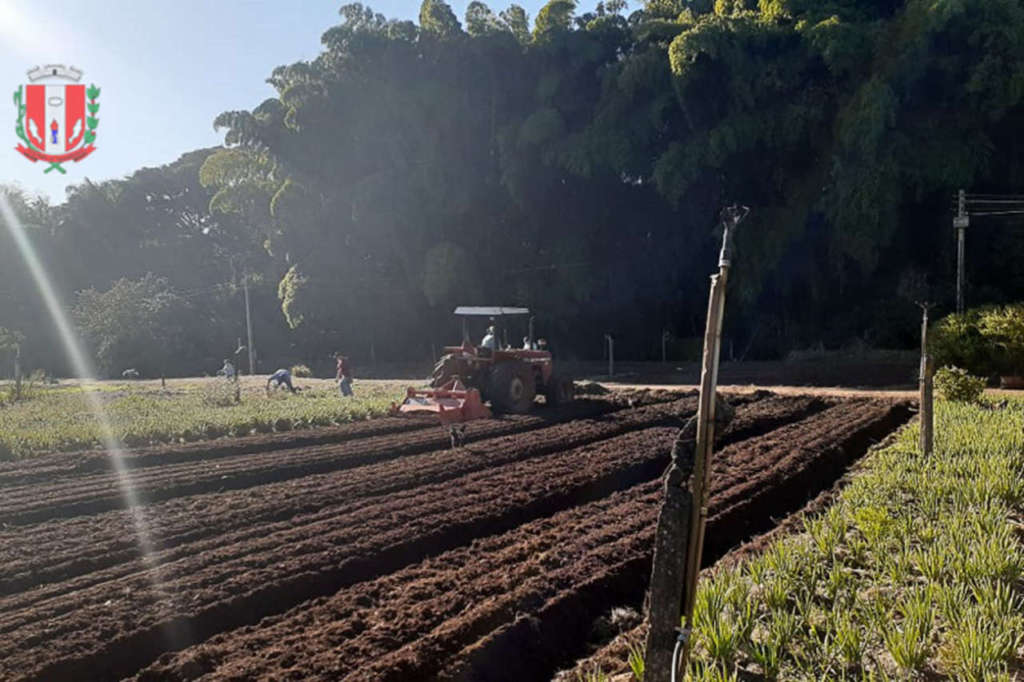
column 512, row 387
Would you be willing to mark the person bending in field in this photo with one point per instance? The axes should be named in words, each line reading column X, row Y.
column 344, row 375
column 281, row 377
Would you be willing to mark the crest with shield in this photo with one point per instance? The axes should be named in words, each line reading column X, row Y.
column 57, row 116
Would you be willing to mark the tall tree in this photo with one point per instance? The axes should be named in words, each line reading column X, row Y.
column 437, row 18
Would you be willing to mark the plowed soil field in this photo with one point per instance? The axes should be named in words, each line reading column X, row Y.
column 378, row 551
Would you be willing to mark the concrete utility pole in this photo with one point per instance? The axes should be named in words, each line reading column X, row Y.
column 679, row 538
column 960, row 222
column 248, row 325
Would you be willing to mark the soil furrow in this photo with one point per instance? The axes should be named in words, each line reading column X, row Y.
column 446, row 602
column 536, row 646
column 48, row 468
column 61, row 550
column 112, row 628
column 510, row 607
column 97, row 493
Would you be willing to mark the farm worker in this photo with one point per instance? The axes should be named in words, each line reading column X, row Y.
column 281, row 377
column 344, row 375
column 489, row 342
column 526, row 344
column 228, row 370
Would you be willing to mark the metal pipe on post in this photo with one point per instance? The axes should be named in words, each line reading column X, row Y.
column 927, row 414
column 611, row 355
column 248, row 325
column 706, row 407
column 960, row 222
column 683, row 516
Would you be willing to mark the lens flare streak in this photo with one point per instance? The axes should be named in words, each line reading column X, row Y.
column 83, row 370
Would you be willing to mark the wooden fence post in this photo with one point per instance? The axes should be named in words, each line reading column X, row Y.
column 668, row 573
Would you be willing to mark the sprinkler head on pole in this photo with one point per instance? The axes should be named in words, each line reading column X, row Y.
column 731, row 217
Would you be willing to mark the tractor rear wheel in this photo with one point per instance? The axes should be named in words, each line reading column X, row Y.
column 512, row 387
column 560, row 390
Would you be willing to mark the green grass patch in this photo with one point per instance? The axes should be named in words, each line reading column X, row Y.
column 141, row 413
column 914, row 572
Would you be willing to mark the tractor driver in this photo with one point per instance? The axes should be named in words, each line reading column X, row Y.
column 490, row 341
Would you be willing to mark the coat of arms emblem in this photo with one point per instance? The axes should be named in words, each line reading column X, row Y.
column 57, row 116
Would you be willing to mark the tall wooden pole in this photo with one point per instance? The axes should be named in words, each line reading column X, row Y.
column 248, row 325
column 679, row 539
column 706, row 410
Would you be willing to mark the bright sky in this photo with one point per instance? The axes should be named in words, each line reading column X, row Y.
column 166, row 69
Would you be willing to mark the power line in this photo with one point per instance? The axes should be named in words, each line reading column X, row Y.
column 991, row 213
column 993, row 205
column 556, row 266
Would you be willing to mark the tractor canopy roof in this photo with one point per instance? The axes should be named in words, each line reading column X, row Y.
column 489, row 311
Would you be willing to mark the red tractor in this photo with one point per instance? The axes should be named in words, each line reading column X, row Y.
column 509, row 378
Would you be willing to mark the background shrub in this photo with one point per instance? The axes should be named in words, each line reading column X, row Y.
column 957, row 385
column 1002, row 327
column 957, row 341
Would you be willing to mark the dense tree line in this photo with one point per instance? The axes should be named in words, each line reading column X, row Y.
column 574, row 165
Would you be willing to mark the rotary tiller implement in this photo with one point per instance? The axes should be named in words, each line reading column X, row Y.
column 452, row 403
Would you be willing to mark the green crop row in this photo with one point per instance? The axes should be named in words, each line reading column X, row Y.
column 59, row 419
